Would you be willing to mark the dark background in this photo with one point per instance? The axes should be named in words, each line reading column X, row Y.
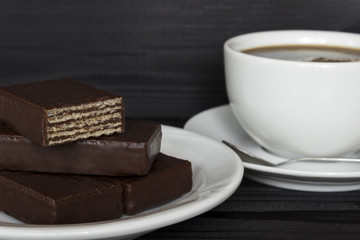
column 163, row 56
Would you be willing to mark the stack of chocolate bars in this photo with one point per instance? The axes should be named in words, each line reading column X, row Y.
column 67, row 156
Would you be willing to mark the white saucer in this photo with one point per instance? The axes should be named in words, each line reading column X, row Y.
column 217, row 173
column 219, row 123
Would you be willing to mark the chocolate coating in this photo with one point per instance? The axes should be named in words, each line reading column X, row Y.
column 27, row 109
column 58, row 199
column 42, row 198
column 168, row 179
column 124, row 154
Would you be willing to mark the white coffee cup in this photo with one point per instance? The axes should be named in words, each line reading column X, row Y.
column 295, row 108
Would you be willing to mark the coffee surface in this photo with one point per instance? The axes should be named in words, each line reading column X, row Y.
column 307, row 53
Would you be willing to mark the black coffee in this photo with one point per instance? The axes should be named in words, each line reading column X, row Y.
column 307, row 53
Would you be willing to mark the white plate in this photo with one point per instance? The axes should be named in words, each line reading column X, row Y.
column 219, row 123
column 217, row 172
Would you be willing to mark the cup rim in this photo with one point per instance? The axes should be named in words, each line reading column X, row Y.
column 228, row 49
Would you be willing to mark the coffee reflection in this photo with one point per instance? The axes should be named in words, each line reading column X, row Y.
column 307, row 53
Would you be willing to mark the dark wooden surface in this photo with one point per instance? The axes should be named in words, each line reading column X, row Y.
column 165, row 57
column 256, row 211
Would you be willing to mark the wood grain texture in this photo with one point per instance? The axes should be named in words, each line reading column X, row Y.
column 164, row 57
column 256, row 211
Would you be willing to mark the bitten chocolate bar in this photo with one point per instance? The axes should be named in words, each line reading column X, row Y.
column 58, row 199
column 41, row 198
column 124, row 154
column 60, row 111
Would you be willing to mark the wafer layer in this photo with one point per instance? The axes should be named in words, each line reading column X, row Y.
column 83, row 121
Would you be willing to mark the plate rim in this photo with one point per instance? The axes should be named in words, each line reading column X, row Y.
column 274, row 170
column 115, row 228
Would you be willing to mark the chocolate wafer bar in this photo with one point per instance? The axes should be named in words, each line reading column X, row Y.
column 42, row 198
column 124, row 154
column 168, row 179
column 58, row 199
column 59, row 111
